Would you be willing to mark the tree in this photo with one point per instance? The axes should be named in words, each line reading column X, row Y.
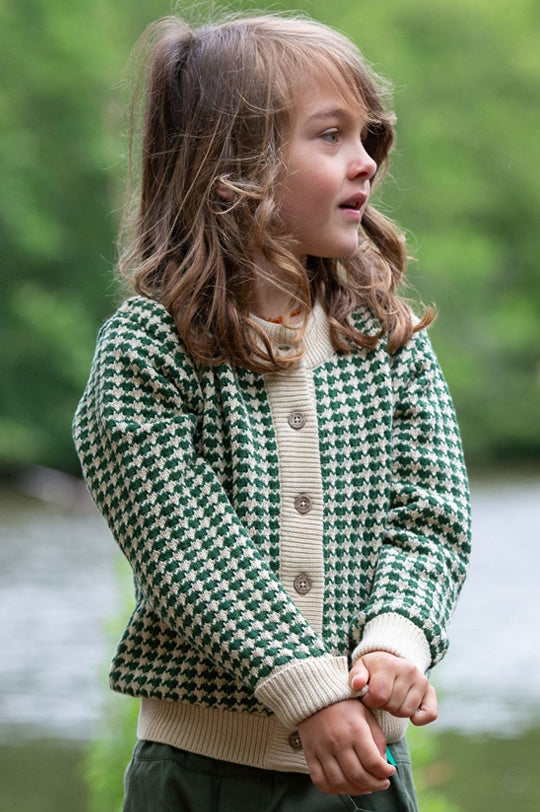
column 463, row 183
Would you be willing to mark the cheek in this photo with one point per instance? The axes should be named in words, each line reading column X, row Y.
column 308, row 190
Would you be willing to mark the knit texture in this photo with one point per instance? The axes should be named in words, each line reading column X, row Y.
column 187, row 463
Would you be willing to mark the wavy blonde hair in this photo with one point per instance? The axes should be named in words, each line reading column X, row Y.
column 218, row 101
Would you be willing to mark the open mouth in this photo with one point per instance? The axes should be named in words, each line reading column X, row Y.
column 354, row 203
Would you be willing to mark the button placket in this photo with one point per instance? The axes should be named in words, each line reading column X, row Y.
column 293, row 402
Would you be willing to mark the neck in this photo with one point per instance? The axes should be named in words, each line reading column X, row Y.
column 269, row 300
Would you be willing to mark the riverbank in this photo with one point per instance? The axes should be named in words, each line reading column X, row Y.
column 42, row 775
column 483, row 772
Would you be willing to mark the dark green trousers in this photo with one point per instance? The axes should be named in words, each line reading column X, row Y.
column 160, row 778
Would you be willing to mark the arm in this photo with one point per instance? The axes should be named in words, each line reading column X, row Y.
column 420, row 570
column 423, row 560
column 195, row 564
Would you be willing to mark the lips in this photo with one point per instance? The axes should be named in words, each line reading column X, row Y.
column 355, row 202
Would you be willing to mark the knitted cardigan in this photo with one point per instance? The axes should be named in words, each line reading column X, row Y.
column 278, row 526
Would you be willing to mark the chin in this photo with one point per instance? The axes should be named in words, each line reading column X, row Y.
column 349, row 252
column 337, row 251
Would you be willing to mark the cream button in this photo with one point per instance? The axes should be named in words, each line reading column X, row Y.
column 295, row 741
column 302, row 584
column 296, row 420
column 303, row 503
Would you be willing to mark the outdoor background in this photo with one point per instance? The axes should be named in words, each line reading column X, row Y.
column 464, row 183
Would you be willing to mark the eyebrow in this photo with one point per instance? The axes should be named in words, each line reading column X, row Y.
column 321, row 115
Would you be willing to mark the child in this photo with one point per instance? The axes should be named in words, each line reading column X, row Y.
column 268, row 434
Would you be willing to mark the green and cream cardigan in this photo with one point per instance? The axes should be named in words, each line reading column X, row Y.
column 278, row 526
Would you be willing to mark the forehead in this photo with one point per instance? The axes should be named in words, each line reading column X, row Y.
column 318, row 98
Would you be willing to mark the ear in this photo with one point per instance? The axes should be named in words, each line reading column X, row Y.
column 226, row 194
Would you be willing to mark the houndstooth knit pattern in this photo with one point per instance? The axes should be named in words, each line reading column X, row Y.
column 183, row 463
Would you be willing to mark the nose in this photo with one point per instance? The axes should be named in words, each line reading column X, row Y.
column 362, row 164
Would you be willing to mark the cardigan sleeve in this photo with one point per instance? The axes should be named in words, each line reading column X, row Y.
column 424, row 556
column 193, row 561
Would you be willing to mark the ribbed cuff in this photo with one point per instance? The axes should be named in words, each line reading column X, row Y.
column 397, row 635
column 393, row 727
column 302, row 688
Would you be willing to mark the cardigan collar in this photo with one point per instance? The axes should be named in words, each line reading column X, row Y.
column 315, row 342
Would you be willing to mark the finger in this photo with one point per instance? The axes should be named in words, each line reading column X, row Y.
column 407, row 695
column 358, row 779
column 380, row 688
column 406, row 706
column 334, row 779
column 358, row 676
column 428, row 710
column 378, row 736
column 318, row 775
column 371, row 751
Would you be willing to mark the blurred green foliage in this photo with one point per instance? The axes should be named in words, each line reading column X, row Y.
column 464, row 184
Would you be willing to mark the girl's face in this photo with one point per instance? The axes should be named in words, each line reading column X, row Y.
column 328, row 172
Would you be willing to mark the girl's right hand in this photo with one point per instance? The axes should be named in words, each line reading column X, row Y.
column 345, row 749
column 396, row 685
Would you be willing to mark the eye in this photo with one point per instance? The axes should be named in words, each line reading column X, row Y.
column 331, row 136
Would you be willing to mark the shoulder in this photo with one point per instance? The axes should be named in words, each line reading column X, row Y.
column 414, row 357
column 141, row 323
column 416, row 348
column 143, row 333
column 141, row 317
column 419, row 344
column 417, row 378
column 365, row 321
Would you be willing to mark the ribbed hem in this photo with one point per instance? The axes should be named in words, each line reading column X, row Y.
column 241, row 738
column 397, row 635
column 303, row 687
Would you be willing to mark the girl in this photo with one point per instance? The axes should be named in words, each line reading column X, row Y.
column 268, row 434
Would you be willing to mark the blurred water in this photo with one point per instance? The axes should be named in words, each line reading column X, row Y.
column 490, row 678
column 58, row 588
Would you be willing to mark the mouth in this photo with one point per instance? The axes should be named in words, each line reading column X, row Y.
column 354, row 203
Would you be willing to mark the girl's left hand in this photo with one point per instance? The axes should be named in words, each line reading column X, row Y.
column 396, row 685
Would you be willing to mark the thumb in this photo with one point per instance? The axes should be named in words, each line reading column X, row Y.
column 358, row 676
